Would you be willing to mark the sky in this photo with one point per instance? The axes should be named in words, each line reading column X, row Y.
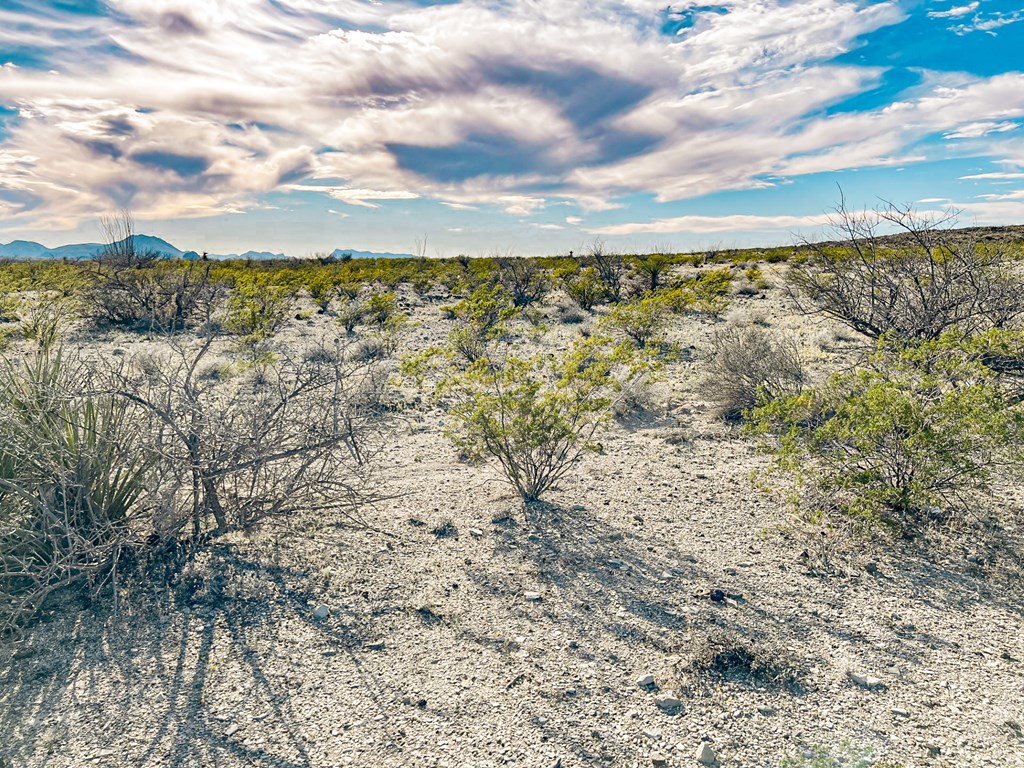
column 484, row 126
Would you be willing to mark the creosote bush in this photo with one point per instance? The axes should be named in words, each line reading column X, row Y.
column 538, row 415
column 914, row 437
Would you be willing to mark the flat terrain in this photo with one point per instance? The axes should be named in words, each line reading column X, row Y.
column 432, row 653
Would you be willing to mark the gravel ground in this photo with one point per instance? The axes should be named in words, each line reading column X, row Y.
column 465, row 630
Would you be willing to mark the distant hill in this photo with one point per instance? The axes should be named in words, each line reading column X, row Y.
column 25, row 249
column 341, row 252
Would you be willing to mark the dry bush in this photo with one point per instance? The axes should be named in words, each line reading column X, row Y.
column 914, row 286
column 750, row 362
column 525, row 280
column 74, row 481
column 141, row 290
column 720, row 653
column 264, row 440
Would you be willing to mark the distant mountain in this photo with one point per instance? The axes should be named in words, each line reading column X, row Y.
column 253, row 255
column 24, row 249
column 341, row 252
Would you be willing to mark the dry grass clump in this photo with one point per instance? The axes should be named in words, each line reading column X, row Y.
column 725, row 654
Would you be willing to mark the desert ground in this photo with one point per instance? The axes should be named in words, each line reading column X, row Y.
column 653, row 610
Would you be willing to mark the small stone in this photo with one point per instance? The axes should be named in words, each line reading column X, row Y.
column 768, row 711
column 705, row 755
column 645, row 681
column 231, row 730
column 321, row 612
column 476, row 532
column 934, row 750
column 658, row 759
column 533, row 597
column 650, row 733
column 872, row 568
column 899, row 712
column 668, row 701
column 592, row 540
column 865, row 681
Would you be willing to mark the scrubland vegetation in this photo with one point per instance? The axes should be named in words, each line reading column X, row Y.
column 151, row 408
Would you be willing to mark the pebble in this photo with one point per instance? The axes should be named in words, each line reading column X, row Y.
column 321, row 612
column 658, row 759
column 865, row 681
column 705, row 755
column 645, row 681
column 668, row 701
column 533, row 597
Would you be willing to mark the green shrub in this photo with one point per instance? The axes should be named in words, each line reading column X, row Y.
column 256, row 311
column 910, row 438
column 379, row 307
column 643, row 321
column 538, row 415
column 583, row 286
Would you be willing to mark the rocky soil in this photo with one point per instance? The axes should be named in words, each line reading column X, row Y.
column 649, row 614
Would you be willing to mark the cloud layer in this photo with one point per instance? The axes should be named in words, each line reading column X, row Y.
column 187, row 108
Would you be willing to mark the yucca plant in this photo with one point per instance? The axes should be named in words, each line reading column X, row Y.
column 72, row 482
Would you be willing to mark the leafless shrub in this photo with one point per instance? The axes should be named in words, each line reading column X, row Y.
column 525, row 279
column 278, row 436
column 611, row 269
column 140, row 289
column 913, row 286
column 750, row 362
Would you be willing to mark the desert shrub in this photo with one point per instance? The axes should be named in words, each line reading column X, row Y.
column 718, row 654
column 264, row 440
column 257, row 311
column 537, row 415
column 611, row 270
column 915, row 286
column 350, row 313
column 74, row 478
column 911, row 438
column 751, row 365
column 380, row 307
column 582, row 286
column 480, row 319
column 710, row 292
column 149, row 294
column 524, row 279
column 44, row 318
column 643, row 321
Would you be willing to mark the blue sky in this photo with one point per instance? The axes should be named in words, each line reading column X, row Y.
column 479, row 126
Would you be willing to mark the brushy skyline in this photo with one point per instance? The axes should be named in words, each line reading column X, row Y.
column 465, row 127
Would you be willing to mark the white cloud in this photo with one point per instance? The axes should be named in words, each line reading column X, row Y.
column 573, row 220
column 473, row 104
column 955, row 12
column 977, row 130
column 997, row 175
column 708, row 224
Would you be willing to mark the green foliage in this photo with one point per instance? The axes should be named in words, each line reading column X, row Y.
column 844, row 756
column 536, row 415
column 256, row 311
column 480, row 319
column 651, row 268
column 912, row 431
column 643, row 321
column 582, row 285
column 380, row 307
